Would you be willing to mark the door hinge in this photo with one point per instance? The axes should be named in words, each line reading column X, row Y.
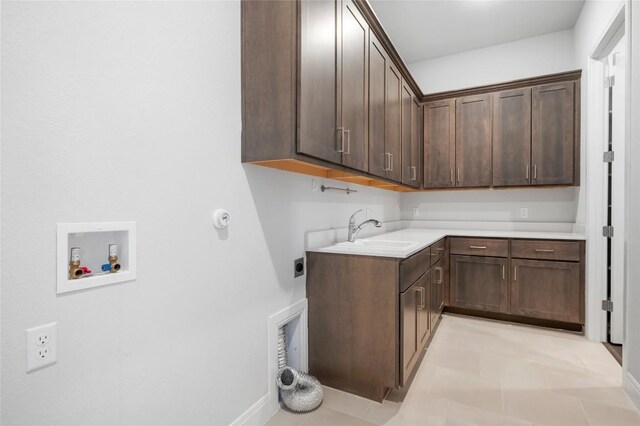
column 607, row 231
column 608, row 157
column 607, row 305
column 610, row 81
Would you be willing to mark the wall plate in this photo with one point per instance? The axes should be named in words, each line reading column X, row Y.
column 93, row 239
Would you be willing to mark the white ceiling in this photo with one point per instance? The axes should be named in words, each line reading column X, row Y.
column 426, row 29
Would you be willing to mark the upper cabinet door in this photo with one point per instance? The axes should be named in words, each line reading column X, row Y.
column 409, row 175
column 378, row 63
column 552, row 135
column 416, row 142
column 353, row 53
column 393, row 117
column 439, row 143
column 319, row 136
column 512, row 137
column 473, row 141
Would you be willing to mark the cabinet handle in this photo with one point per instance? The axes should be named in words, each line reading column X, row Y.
column 544, row 250
column 451, row 175
column 439, row 280
column 348, row 151
column 478, row 247
column 515, row 273
column 503, row 275
column 440, row 249
column 341, row 131
column 535, row 172
column 414, row 173
column 527, row 172
column 458, row 175
column 386, row 161
column 390, row 162
column 421, row 303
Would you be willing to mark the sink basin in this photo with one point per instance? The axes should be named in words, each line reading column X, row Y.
column 383, row 243
column 373, row 247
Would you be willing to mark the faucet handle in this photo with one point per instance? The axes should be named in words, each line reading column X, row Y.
column 352, row 219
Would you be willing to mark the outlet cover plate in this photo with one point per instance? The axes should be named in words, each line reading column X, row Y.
column 524, row 212
column 41, row 346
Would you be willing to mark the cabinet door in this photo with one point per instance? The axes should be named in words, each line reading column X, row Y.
column 479, row 283
column 409, row 157
column 424, row 304
column 409, row 326
column 552, row 134
column 546, row 289
column 437, row 291
column 378, row 64
column 473, row 141
column 512, row 137
column 416, row 144
column 353, row 90
column 319, row 136
column 393, row 117
column 439, row 143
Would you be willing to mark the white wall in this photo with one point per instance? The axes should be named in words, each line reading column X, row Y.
column 546, row 54
column 131, row 111
column 545, row 205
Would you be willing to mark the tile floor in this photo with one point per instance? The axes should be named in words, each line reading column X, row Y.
column 491, row 373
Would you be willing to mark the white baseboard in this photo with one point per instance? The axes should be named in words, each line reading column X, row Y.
column 258, row 414
column 632, row 387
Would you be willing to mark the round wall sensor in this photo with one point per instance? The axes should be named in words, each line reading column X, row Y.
column 221, row 218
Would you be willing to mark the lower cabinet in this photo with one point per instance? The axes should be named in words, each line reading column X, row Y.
column 369, row 318
column 414, row 324
column 479, row 283
column 546, row 289
column 534, row 281
column 436, row 300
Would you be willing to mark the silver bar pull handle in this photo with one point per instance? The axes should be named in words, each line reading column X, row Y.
column 515, row 273
column 458, row 175
column 348, row 151
column 386, row 161
column 535, row 172
column 544, row 250
column 390, row 162
column 451, row 175
column 503, row 274
column 478, row 247
column 341, row 132
column 414, row 173
column 439, row 280
column 527, row 173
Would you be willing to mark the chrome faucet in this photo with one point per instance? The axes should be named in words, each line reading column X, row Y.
column 354, row 229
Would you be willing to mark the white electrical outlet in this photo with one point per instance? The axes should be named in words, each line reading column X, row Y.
column 524, row 212
column 41, row 346
column 414, row 211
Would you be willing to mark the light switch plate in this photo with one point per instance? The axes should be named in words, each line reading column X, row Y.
column 41, row 346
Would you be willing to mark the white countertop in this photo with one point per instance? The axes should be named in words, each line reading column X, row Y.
column 421, row 238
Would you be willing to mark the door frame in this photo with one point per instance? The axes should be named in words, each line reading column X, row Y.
column 596, row 318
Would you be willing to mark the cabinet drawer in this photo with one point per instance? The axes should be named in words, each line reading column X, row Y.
column 437, row 250
column 412, row 268
column 480, row 247
column 547, row 250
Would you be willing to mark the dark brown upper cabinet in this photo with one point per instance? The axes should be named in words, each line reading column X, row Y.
column 410, row 148
column 385, row 114
column 512, row 137
column 473, row 141
column 393, row 120
column 415, row 176
column 378, row 65
column 439, row 143
column 553, row 146
column 353, row 86
column 319, row 135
